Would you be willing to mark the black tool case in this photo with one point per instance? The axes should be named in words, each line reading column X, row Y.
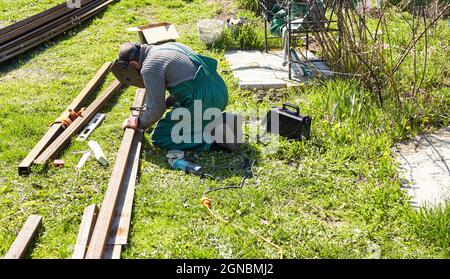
column 291, row 124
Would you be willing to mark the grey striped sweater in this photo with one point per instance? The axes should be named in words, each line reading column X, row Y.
column 162, row 67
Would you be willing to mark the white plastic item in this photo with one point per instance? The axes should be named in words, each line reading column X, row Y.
column 210, row 30
column 83, row 159
column 98, row 152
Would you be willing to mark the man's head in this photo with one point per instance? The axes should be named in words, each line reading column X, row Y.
column 127, row 67
column 129, row 52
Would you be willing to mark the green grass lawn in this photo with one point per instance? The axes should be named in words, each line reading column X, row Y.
column 335, row 196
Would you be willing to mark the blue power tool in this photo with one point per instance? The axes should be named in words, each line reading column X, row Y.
column 177, row 162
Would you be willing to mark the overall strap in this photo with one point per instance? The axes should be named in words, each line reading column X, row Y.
column 176, row 48
column 195, row 58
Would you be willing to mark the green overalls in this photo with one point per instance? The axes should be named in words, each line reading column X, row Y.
column 207, row 86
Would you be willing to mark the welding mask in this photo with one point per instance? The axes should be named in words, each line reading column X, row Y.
column 126, row 73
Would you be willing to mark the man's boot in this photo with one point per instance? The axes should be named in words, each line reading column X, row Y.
column 228, row 133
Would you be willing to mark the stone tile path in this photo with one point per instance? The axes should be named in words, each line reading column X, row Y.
column 260, row 70
column 425, row 168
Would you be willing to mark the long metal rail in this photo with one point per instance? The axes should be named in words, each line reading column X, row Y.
column 44, row 26
column 39, row 22
column 105, row 217
column 56, row 128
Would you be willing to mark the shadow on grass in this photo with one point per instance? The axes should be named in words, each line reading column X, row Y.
column 217, row 164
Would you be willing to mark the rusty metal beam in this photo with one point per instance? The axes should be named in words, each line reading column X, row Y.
column 75, row 20
column 11, row 45
column 25, row 237
column 51, row 30
column 107, row 211
column 56, row 129
column 85, row 232
column 59, row 143
column 28, row 20
column 48, row 18
column 119, row 230
column 122, row 218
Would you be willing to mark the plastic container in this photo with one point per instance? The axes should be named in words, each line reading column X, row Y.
column 210, row 30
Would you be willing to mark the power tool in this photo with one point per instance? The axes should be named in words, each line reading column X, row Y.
column 177, row 162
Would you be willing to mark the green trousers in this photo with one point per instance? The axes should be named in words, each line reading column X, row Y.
column 207, row 87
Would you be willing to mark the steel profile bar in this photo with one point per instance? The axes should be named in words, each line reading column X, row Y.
column 44, row 33
column 84, row 235
column 25, row 237
column 75, row 20
column 56, row 129
column 38, row 30
column 38, row 22
column 59, row 143
column 107, row 211
column 119, row 230
column 28, row 20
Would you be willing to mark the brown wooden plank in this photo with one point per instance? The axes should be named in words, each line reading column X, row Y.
column 112, row 252
column 24, row 238
column 107, row 210
column 118, row 234
column 85, row 232
column 56, row 129
column 59, row 143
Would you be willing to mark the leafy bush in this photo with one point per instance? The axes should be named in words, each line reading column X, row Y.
column 247, row 37
column 377, row 48
column 243, row 37
column 251, row 5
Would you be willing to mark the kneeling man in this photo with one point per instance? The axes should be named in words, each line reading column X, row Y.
column 195, row 87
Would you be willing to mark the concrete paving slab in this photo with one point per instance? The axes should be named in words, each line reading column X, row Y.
column 259, row 70
column 425, row 168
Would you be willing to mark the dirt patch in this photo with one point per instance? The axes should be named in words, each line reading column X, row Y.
column 226, row 9
column 146, row 13
column 274, row 95
column 29, row 74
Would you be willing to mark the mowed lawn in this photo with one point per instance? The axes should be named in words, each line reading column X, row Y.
column 337, row 195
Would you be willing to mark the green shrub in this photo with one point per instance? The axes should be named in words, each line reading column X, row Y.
column 251, row 5
column 243, row 37
column 247, row 37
